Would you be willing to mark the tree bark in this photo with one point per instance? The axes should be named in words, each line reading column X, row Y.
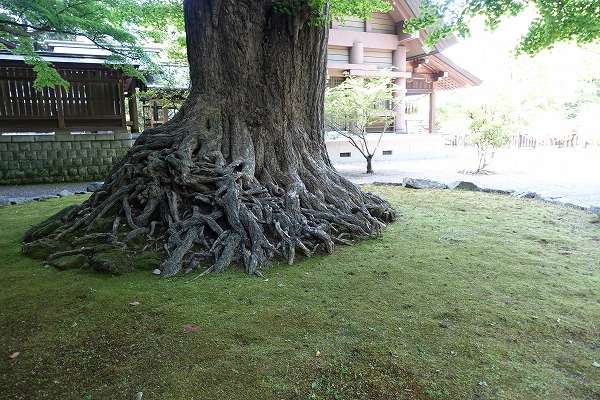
column 369, row 164
column 241, row 173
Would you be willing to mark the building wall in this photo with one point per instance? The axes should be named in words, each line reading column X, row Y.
column 391, row 148
column 60, row 158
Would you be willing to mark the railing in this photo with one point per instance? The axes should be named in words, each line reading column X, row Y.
column 522, row 141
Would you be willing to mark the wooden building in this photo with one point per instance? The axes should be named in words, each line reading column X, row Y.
column 367, row 47
column 98, row 98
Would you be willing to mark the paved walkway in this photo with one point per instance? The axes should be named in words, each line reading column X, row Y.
column 567, row 175
column 18, row 193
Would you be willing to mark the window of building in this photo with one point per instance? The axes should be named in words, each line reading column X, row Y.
column 387, row 152
column 348, row 154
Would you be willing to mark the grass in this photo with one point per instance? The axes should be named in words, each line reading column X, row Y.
column 467, row 296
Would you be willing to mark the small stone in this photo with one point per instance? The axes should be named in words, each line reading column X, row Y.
column 134, row 303
column 138, row 396
column 596, row 364
column 464, row 185
column 69, row 262
column 318, row 354
column 190, row 328
column 526, row 195
column 413, row 183
column 104, row 265
column 94, row 186
column 14, row 355
column 444, row 324
column 18, row 200
column 156, row 271
column 498, row 191
column 65, row 193
column 482, row 383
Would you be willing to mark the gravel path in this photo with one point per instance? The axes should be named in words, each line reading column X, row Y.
column 566, row 175
column 21, row 193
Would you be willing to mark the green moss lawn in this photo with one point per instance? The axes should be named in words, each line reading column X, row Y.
column 467, row 296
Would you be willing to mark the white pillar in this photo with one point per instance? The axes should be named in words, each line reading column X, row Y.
column 399, row 62
column 432, row 110
column 357, row 53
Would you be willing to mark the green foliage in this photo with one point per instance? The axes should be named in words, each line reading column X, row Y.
column 359, row 102
column 556, row 21
column 488, row 128
column 117, row 26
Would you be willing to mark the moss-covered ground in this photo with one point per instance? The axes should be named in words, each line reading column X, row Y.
column 467, row 296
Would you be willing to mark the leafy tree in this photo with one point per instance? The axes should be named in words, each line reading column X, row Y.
column 118, row 26
column 489, row 131
column 356, row 104
column 556, row 20
column 241, row 173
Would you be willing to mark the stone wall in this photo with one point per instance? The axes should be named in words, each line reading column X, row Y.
column 59, row 157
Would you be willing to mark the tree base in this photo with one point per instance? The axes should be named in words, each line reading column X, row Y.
column 196, row 210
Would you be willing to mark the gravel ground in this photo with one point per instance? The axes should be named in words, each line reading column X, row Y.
column 565, row 175
column 19, row 193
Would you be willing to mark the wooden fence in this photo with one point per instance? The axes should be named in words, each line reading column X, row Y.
column 522, row 141
column 94, row 100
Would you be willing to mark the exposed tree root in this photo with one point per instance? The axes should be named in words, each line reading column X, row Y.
column 198, row 209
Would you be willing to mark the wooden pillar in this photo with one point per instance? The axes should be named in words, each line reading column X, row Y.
column 399, row 62
column 357, row 53
column 165, row 112
column 133, row 111
column 60, row 107
column 122, row 103
column 432, row 108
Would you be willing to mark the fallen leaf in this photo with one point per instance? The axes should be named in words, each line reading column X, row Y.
column 14, row 355
column 190, row 328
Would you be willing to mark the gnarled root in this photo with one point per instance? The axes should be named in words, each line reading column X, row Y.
column 197, row 209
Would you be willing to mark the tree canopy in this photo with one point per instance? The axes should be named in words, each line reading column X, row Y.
column 122, row 26
column 119, row 26
column 555, row 20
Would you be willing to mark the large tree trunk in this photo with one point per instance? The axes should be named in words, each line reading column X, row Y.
column 241, row 173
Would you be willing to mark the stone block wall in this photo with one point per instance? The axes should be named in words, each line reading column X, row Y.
column 59, row 157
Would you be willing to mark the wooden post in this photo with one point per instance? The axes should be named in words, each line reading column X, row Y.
column 133, row 111
column 165, row 112
column 60, row 107
column 432, row 108
column 122, row 102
